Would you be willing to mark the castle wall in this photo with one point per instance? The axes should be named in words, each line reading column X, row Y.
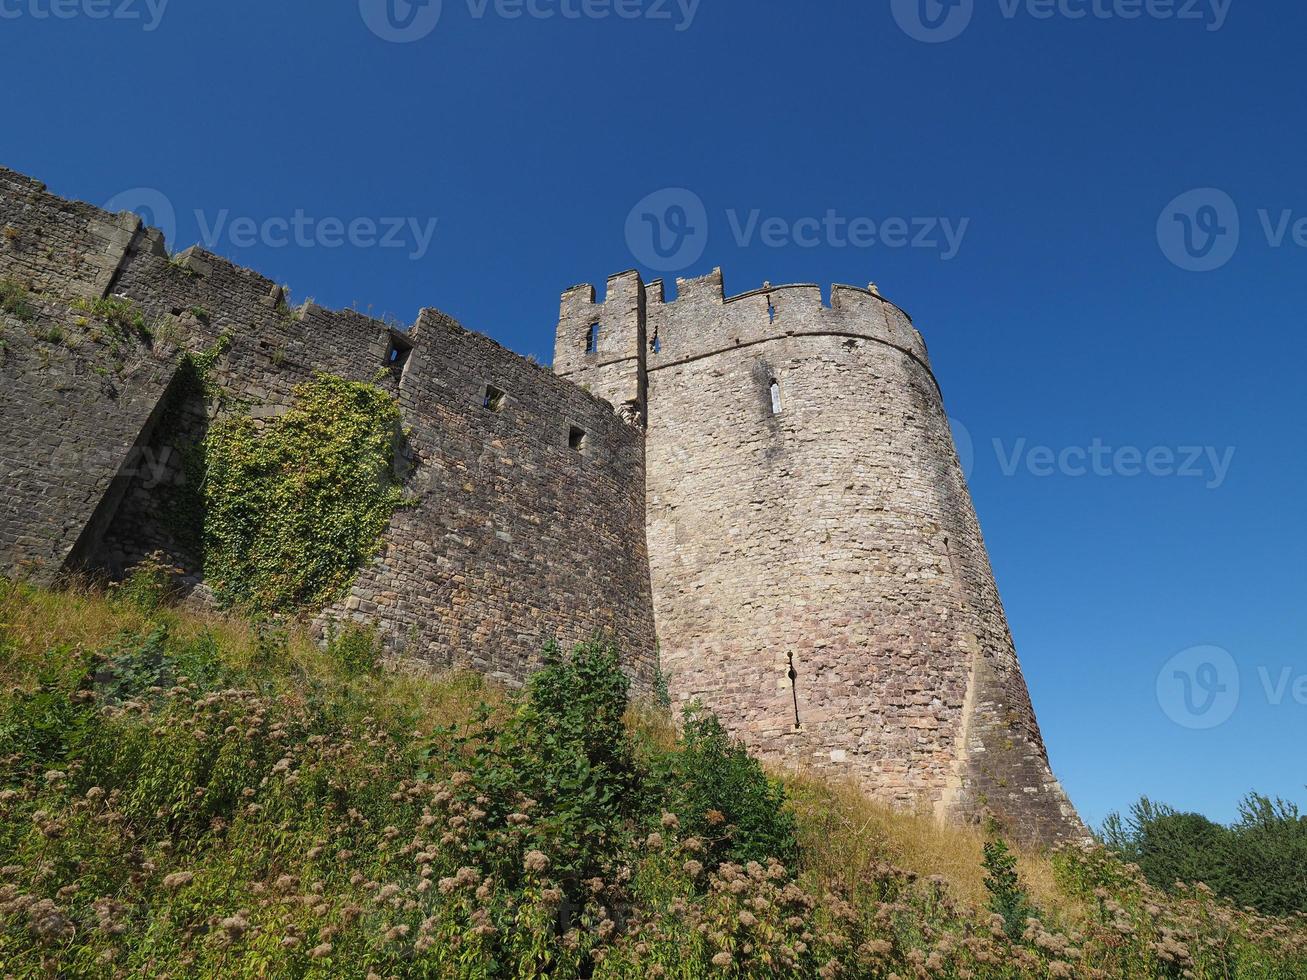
column 839, row 530
column 75, row 409
column 515, row 535
column 518, row 536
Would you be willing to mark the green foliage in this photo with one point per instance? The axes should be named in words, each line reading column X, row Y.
column 13, row 300
column 1006, row 896
column 292, row 510
column 148, row 587
column 723, row 796
column 564, row 756
column 1259, row 862
column 357, row 648
column 186, row 797
column 122, row 316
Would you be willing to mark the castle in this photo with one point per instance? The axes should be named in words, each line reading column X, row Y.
column 757, row 496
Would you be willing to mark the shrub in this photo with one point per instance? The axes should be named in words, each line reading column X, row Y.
column 1260, row 861
column 148, row 587
column 357, row 648
column 724, row 797
column 1006, row 896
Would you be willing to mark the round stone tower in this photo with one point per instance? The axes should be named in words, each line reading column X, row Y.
column 819, row 576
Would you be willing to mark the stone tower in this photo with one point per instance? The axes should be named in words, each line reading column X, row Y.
column 805, row 504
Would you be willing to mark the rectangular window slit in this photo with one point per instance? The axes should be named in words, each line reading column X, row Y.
column 576, row 438
column 398, row 354
column 493, row 400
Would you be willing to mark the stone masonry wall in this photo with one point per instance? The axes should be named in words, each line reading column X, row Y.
column 75, row 404
column 527, row 523
column 839, row 530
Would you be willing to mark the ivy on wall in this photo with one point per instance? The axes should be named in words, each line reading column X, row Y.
column 293, row 509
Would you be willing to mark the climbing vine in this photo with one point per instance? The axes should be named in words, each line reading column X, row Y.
column 292, row 510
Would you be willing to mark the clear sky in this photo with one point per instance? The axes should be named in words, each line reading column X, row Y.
column 1008, row 171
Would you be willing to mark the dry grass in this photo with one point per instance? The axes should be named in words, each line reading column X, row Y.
column 844, row 832
column 82, row 618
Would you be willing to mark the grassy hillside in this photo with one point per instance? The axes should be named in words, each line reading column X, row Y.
column 191, row 796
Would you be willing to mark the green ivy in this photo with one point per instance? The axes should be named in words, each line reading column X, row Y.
column 292, row 510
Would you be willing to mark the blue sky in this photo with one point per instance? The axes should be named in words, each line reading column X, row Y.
column 1055, row 147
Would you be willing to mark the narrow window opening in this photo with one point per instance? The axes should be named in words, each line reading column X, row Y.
column 794, row 691
column 771, row 310
column 592, row 339
column 493, row 400
column 656, row 345
column 398, row 354
column 776, row 406
column 576, row 439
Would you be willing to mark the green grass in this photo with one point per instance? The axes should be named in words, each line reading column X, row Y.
column 192, row 795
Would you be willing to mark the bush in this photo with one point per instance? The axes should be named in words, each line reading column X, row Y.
column 1006, row 896
column 357, row 648
column 148, row 587
column 1259, row 862
column 724, row 797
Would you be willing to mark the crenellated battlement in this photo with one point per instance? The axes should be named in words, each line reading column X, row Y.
column 612, row 345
